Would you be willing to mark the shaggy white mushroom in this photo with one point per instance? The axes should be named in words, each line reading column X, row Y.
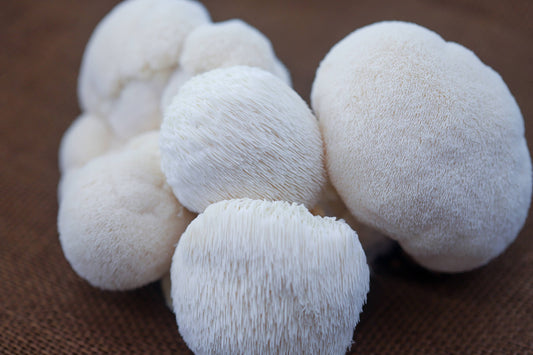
column 425, row 143
column 86, row 138
column 240, row 132
column 129, row 58
column 118, row 220
column 258, row 277
column 229, row 43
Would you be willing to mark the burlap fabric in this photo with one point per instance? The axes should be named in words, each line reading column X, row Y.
column 46, row 308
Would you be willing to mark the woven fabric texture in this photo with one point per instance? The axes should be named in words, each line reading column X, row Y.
column 46, row 308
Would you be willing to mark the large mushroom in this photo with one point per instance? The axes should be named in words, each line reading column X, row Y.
column 118, row 220
column 129, row 59
column 425, row 143
column 240, row 132
column 260, row 277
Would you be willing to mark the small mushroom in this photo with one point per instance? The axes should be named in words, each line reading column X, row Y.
column 129, row 58
column 118, row 220
column 425, row 143
column 86, row 138
column 240, row 132
column 224, row 44
column 261, row 277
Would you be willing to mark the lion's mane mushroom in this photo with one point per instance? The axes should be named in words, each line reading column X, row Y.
column 224, row 44
column 174, row 84
column 262, row 277
column 425, row 143
column 240, row 132
column 129, row 59
column 118, row 221
column 221, row 45
column 86, row 138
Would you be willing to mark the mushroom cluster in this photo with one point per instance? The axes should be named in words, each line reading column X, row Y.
column 184, row 116
column 195, row 162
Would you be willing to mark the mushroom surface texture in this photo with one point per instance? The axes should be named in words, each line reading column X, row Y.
column 425, row 143
column 261, row 277
column 118, row 220
column 240, row 132
column 229, row 43
column 174, row 84
column 130, row 56
column 374, row 243
column 86, row 138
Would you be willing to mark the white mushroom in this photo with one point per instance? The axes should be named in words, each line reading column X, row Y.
column 129, row 58
column 86, row 138
column 374, row 243
column 258, row 277
column 118, row 220
column 240, row 132
column 229, row 43
column 174, row 84
column 425, row 143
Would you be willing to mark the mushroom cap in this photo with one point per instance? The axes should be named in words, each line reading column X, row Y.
column 87, row 137
column 240, row 132
column 118, row 221
column 139, row 43
column 252, row 276
column 425, row 143
column 224, row 44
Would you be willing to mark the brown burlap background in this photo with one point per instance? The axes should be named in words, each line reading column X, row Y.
column 46, row 308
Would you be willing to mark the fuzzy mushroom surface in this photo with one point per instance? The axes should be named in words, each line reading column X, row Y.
column 260, row 277
column 118, row 220
column 425, row 143
column 240, row 132
column 174, row 84
column 228, row 43
column 87, row 137
column 129, row 58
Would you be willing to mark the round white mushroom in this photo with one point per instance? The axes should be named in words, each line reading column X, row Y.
column 229, row 43
column 118, row 220
column 425, row 143
column 129, row 58
column 86, row 138
column 260, row 277
column 240, row 132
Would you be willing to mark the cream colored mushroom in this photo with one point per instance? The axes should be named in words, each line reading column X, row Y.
column 129, row 58
column 229, row 43
column 86, row 138
column 118, row 220
column 240, row 132
column 425, row 143
column 258, row 277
